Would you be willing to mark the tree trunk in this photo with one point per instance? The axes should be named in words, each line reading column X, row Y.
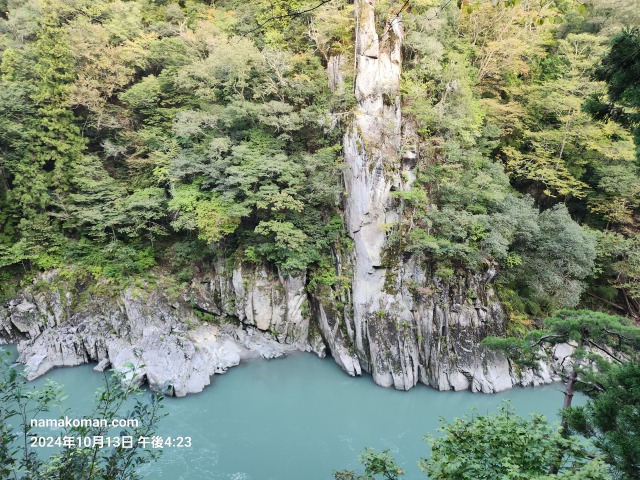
column 568, row 398
column 568, row 395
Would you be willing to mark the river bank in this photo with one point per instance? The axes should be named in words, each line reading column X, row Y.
column 299, row 417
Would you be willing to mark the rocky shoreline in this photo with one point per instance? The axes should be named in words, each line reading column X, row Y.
column 259, row 313
column 163, row 343
column 391, row 318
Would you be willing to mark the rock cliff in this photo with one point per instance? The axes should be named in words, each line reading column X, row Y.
column 158, row 339
column 394, row 321
column 403, row 327
column 430, row 332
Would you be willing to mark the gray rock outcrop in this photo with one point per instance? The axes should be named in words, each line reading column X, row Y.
column 143, row 335
column 403, row 327
column 391, row 318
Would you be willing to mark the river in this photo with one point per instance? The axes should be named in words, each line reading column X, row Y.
column 298, row 418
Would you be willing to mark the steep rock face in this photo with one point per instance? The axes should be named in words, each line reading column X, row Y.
column 371, row 149
column 335, row 326
column 428, row 333
column 404, row 327
column 393, row 320
column 138, row 334
column 156, row 339
column 260, row 297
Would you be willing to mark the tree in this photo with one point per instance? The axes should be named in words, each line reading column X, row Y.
column 507, row 446
column 499, row 445
column 620, row 69
column 208, row 215
column 40, row 169
column 56, row 142
column 596, row 337
column 19, row 404
column 376, row 465
column 555, row 260
column 275, row 17
column 561, row 149
column 611, row 418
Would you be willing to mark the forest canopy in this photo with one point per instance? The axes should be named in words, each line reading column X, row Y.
column 142, row 135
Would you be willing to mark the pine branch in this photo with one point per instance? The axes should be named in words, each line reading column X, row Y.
column 546, row 337
column 602, row 349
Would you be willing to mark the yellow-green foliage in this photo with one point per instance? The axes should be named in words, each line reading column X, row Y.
column 195, row 211
column 138, row 125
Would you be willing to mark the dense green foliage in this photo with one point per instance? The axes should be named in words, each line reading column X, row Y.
column 611, row 417
column 136, row 126
column 376, row 465
column 499, row 445
column 620, row 69
column 136, row 123
column 505, row 445
column 20, row 403
column 507, row 86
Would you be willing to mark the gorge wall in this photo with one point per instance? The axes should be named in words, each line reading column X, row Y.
column 395, row 321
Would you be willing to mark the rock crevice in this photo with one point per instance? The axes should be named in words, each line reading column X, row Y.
column 394, row 320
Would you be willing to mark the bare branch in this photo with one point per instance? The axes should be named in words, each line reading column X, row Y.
column 435, row 15
column 278, row 17
column 602, row 349
column 620, row 336
column 594, row 386
column 395, row 17
column 597, row 297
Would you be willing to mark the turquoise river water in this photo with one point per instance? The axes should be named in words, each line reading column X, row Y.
column 298, row 418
